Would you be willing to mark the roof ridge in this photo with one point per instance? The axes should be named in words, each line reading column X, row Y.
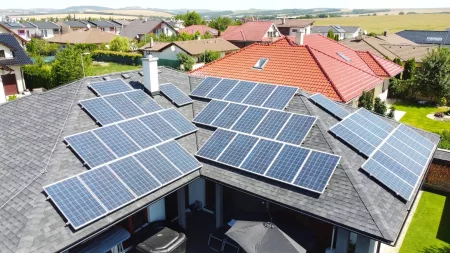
column 325, row 73
column 379, row 64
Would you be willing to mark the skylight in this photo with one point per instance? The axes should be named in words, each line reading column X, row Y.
column 261, row 63
column 343, row 56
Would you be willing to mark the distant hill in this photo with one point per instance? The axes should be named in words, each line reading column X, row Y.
column 83, row 8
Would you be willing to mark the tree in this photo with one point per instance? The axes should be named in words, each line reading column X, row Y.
column 119, row 44
column 433, row 78
column 330, row 34
column 68, row 65
column 366, row 100
column 209, row 56
column 336, row 37
column 40, row 47
column 409, row 69
column 191, row 18
column 399, row 62
column 379, row 106
column 391, row 113
column 208, row 35
column 186, row 60
column 401, row 13
column 220, row 23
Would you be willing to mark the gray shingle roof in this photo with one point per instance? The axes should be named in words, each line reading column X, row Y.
column 103, row 23
column 45, row 25
column 20, row 56
column 335, row 29
column 138, row 27
column 76, row 24
column 34, row 125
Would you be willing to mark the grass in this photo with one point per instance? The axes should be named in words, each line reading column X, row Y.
column 429, row 231
column 416, row 115
column 391, row 23
column 96, row 69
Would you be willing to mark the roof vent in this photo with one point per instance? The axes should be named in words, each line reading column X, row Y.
column 107, row 78
column 126, row 76
column 343, row 56
column 261, row 63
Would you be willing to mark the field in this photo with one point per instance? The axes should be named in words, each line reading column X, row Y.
column 117, row 14
column 392, row 23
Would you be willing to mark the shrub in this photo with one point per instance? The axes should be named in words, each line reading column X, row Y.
column 40, row 47
column 439, row 115
column 68, row 65
column 119, row 44
column 118, row 57
column 380, row 106
column 86, row 47
column 391, row 113
column 186, row 60
column 366, row 100
column 209, row 56
column 38, row 75
column 442, row 101
column 12, row 97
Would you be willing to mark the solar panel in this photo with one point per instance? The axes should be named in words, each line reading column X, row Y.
column 259, row 94
column 123, row 105
column 160, row 127
column 395, row 167
column 102, row 112
column 116, row 140
column 158, row 166
column 177, row 120
column 287, row 163
column 141, row 134
column 417, row 137
column 75, row 201
column 329, row 105
column 205, row 87
column 216, row 144
column 240, row 91
column 362, row 132
column 175, row 94
column 184, row 161
column 272, row 124
column 411, row 142
column 134, row 176
column 375, row 120
column 280, row 97
column 354, row 140
column 90, row 149
column 238, row 149
column 229, row 115
column 296, row 129
column 371, row 127
column 261, row 157
column 110, row 87
column 412, row 153
column 143, row 101
column 250, row 119
column 210, row 112
column 402, row 158
column 222, row 89
column 108, row 189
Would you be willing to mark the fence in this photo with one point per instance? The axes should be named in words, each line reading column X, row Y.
column 169, row 63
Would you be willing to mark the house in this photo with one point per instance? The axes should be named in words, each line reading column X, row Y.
column 353, row 206
column 202, row 29
column 20, row 40
column 390, row 46
column 344, row 32
column 122, row 22
column 70, row 26
column 83, row 36
column 138, row 28
column 329, row 67
column 194, row 48
column 251, row 32
column 12, row 58
column 46, row 29
column 427, row 37
column 289, row 27
column 106, row 26
column 176, row 24
column 25, row 30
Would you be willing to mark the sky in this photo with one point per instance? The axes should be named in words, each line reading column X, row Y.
column 231, row 4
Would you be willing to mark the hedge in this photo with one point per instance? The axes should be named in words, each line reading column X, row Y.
column 118, row 57
column 38, row 77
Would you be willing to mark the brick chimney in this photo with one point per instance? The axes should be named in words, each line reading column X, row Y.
column 300, row 38
column 151, row 82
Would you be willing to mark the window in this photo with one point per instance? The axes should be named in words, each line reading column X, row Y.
column 2, row 53
column 28, row 34
column 44, row 33
column 111, row 29
column 294, row 30
column 270, row 34
column 261, row 63
column 21, row 32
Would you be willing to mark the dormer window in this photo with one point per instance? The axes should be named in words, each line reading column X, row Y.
column 261, row 63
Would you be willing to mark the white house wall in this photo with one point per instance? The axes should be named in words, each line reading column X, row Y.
column 8, row 52
column 167, row 29
column 293, row 30
column 168, row 54
column 19, row 78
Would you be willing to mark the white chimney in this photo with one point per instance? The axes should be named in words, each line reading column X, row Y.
column 284, row 21
column 151, row 82
column 299, row 38
column 151, row 42
column 198, row 37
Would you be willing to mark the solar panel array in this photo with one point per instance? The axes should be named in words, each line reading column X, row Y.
column 109, row 109
column 251, row 93
column 110, row 87
column 259, row 121
column 400, row 161
column 280, row 161
column 91, row 195
column 329, row 105
column 175, row 94
column 105, row 144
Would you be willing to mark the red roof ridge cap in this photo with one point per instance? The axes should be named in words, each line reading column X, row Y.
column 325, row 73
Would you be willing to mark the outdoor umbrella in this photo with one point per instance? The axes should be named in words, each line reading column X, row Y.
column 262, row 237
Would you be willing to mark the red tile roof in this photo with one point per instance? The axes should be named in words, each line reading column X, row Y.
column 391, row 68
column 373, row 65
column 250, row 31
column 303, row 66
column 200, row 28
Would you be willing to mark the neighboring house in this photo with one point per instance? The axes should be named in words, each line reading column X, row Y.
column 251, row 32
column 390, row 46
column 70, row 26
column 46, row 29
column 194, row 48
column 344, row 32
column 122, row 22
column 202, row 29
column 85, row 36
column 25, row 30
column 353, row 204
column 138, row 28
column 289, row 27
column 314, row 64
column 12, row 58
column 106, row 26
column 20, row 40
column 176, row 24
column 427, row 37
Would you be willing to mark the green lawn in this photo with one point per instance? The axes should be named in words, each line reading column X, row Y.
column 416, row 115
column 429, row 231
column 96, row 70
